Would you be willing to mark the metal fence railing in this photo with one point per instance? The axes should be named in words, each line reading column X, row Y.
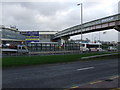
column 35, row 47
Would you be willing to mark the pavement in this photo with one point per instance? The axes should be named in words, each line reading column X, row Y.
column 111, row 82
column 63, row 75
column 98, row 56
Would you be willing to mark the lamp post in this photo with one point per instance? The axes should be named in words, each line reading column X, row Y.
column 81, row 20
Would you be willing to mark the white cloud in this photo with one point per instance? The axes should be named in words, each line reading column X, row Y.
column 54, row 14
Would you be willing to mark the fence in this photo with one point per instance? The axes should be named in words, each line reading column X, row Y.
column 38, row 47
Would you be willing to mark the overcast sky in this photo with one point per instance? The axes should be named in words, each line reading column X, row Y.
column 57, row 15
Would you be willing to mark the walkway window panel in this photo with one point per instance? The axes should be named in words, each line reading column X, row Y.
column 105, row 25
column 93, row 27
column 82, row 30
column 87, row 29
column 98, row 22
column 112, row 24
column 67, row 30
column 71, row 32
column 79, row 30
column 75, row 31
column 118, row 22
column 108, row 19
column 70, row 29
column 98, row 26
column 85, row 25
column 76, row 27
column 92, row 23
column 116, row 17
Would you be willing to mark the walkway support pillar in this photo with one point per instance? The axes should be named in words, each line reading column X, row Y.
column 62, row 41
column 117, row 28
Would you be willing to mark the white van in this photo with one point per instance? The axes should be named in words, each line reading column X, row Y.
column 20, row 49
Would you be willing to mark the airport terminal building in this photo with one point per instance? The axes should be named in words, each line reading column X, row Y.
column 11, row 36
column 38, row 36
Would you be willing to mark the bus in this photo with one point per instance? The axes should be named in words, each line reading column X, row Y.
column 91, row 47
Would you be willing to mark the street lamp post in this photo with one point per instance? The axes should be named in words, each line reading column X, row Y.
column 81, row 19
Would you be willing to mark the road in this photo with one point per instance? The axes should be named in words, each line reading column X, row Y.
column 63, row 75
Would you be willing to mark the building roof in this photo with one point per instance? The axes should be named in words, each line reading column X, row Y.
column 9, row 28
column 35, row 31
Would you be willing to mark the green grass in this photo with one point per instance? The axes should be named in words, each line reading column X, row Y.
column 35, row 60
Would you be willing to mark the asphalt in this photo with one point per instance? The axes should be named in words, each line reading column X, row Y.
column 65, row 75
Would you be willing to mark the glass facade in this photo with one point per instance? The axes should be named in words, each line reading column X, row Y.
column 11, row 34
column 11, row 38
column 45, row 37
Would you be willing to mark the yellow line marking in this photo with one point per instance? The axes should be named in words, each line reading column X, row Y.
column 66, row 89
column 72, row 88
column 118, row 88
column 115, row 89
column 75, row 87
column 95, row 82
column 114, row 77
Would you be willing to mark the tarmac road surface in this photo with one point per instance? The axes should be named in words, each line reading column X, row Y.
column 63, row 75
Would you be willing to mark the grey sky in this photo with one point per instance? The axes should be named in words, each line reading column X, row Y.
column 57, row 15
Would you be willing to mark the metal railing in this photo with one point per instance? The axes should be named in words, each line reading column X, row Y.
column 35, row 47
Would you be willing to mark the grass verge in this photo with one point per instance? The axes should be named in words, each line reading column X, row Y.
column 35, row 60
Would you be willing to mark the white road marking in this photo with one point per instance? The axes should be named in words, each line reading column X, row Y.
column 85, row 68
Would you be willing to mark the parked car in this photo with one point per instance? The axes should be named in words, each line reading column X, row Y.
column 112, row 48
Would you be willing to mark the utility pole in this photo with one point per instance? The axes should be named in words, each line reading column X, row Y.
column 81, row 21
